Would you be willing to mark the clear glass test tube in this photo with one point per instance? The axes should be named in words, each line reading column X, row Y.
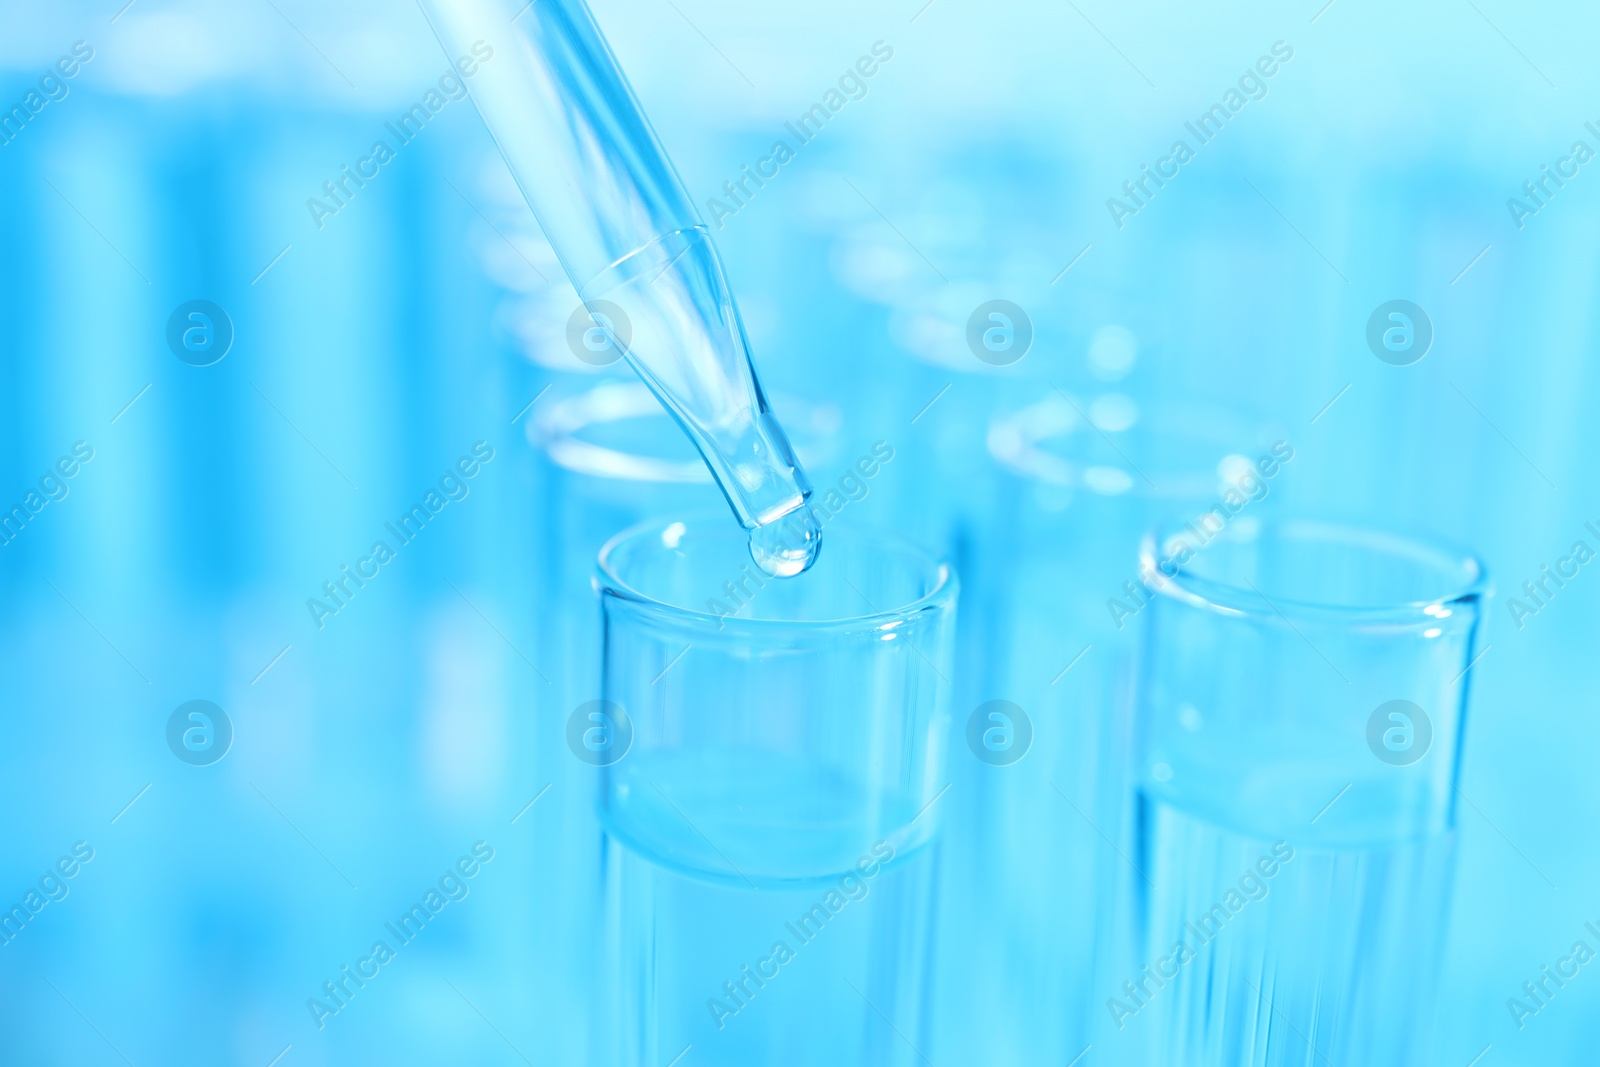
column 1298, row 750
column 768, row 782
column 607, row 457
column 1040, row 831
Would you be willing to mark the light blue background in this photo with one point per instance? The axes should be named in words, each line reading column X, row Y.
column 379, row 348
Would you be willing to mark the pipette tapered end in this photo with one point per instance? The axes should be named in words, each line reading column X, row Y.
column 787, row 546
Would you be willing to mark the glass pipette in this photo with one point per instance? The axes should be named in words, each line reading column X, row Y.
column 628, row 236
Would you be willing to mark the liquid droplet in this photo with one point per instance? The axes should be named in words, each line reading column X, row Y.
column 787, row 546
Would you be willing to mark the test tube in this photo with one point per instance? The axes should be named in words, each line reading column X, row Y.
column 1298, row 754
column 771, row 790
column 1051, row 637
column 631, row 241
column 608, row 457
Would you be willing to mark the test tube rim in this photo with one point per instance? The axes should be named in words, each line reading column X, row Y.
column 940, row 597
column 1020, row 449
column 1231, row 599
